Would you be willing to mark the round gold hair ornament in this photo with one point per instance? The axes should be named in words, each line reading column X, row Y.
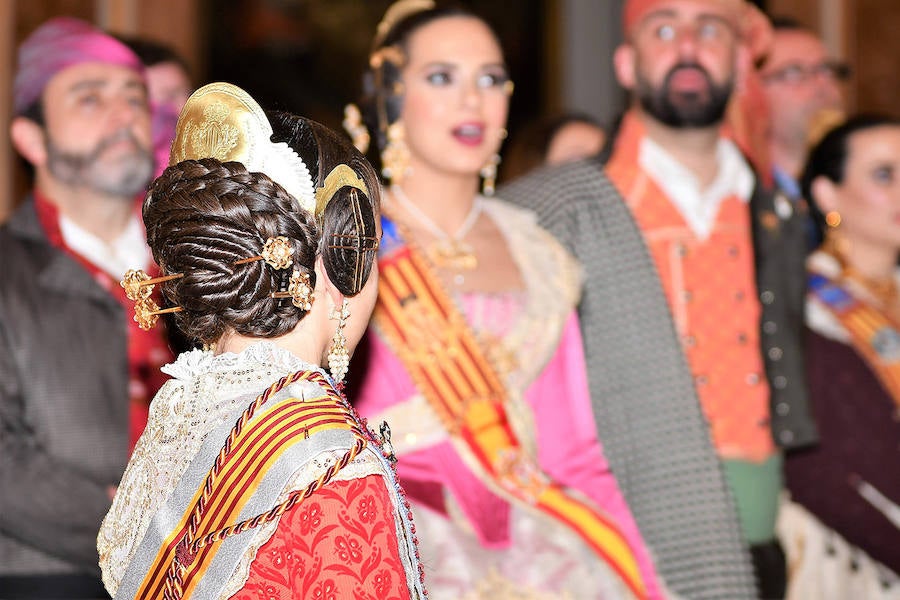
column 222, row 121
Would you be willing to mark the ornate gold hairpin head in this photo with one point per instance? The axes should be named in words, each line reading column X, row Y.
column 138, row 286
column 146, row 313
column 299, row 291
column 277, row 253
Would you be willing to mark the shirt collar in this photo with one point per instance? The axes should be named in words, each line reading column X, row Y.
column 699, row 207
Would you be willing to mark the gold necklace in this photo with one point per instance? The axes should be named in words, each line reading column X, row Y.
column 447, row 251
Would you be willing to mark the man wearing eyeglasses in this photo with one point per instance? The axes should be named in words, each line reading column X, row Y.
column 802, row 87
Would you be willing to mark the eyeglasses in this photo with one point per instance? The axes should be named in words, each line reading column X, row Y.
column 796, row 73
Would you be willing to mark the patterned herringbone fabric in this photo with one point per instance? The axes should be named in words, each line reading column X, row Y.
column 648, row 416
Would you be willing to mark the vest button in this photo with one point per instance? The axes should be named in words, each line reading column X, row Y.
column 701, row 380
column 770, row 327
column 780, row 382
column 775, row 353
column 767, row 297
column 742, row 338
column 689, row 341
column 782, row 409
column 752, row 378
column 786, row 437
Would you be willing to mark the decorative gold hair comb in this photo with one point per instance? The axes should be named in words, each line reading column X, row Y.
column 276, row 252
column 222, row 121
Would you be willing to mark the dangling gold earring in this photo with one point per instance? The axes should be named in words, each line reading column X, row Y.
column 489, row 174
column 395, row 156
column 833, row 219
column 338, row 357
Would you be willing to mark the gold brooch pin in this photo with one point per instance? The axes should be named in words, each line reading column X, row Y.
column 299, row 291
column 277, row 253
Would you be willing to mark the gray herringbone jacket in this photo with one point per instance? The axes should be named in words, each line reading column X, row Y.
column 63, row 404
column 648, row 416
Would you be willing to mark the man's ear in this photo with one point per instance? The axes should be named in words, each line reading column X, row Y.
column 28, row 139
column 624, row 65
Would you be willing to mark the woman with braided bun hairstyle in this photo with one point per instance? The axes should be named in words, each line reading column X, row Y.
column 476, row 358
column 254, row 477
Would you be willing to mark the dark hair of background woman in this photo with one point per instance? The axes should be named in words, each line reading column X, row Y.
column 829, row 157
column 527, row 149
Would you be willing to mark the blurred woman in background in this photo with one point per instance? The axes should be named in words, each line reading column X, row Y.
column 476, row 356
column 552, row 141
column 844, row 514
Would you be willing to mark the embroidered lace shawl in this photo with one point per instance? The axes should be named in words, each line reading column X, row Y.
column 204, row 390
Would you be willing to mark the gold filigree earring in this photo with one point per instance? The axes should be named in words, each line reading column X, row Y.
column 353, row 125
column 395, row 156
column 338, row 356
column 489, row 175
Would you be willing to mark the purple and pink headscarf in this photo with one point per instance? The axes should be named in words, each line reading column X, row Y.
column 60, row 43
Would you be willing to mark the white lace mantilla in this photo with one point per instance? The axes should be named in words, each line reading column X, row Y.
column 206, row 389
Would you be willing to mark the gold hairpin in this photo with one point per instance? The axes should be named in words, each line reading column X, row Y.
column 138, row 286
column 277, row 253
column 146, row 313
column 299, row 291
column 340, row 176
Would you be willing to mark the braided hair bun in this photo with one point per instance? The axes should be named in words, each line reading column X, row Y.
column 202, row 217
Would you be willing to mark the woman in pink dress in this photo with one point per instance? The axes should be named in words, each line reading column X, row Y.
column 476, row 356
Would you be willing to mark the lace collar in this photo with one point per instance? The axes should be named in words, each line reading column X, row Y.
column 197, row 363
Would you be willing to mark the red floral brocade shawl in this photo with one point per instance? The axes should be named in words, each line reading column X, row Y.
column 331, row 547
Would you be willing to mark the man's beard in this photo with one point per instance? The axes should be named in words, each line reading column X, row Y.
column 124, row 176
column 685, row 109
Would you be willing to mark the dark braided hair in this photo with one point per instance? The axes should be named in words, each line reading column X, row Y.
column 203, row 216
column 322, row 150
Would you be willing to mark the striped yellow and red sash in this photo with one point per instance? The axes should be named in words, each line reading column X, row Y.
column 251, row 448
column 874, row 335
column 450, row 369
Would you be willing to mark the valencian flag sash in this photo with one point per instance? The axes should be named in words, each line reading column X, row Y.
column 194, row 543
column 874, row 335
column 441, row 354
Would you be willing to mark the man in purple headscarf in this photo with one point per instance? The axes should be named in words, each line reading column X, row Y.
column 76, row 374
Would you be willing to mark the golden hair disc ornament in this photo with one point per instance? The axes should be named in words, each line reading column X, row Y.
column 222, row 121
